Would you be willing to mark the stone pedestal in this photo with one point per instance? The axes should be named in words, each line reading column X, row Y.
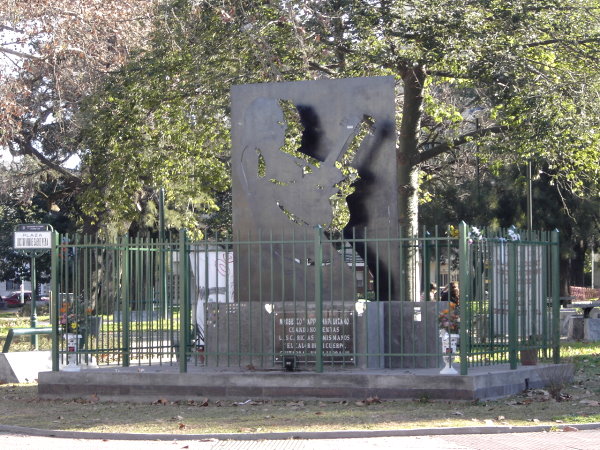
column 576, row 327
column 413, row 334
column 370, row 336
column 360, row 334
column 565, row 321
column 591, row 329
column 239, row 334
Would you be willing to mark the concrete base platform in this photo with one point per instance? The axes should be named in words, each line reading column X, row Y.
column 143, row 384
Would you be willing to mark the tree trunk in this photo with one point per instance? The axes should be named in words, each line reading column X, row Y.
column 407, row 175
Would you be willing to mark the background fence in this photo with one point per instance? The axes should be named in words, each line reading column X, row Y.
column 317, row 301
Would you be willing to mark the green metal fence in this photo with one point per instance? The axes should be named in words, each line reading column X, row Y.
column 316, row 301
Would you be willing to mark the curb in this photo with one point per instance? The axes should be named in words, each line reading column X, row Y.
column 342, row 434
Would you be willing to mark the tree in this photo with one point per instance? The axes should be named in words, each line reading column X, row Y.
column 497, row 196
column 52, row 55
column 162, row 121
column 24, row 201
column 516, row 79
column 529, row 71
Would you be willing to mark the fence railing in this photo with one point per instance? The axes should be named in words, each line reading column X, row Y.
column 318, row 301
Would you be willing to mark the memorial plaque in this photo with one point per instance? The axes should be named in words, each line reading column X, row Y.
column 296, row 334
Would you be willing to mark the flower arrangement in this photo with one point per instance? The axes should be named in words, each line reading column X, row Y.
column 449, row 319
column 72, row 321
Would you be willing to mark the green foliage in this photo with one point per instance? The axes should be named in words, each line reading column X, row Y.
column 161, row 122
column 46, row 205
column 527, row 72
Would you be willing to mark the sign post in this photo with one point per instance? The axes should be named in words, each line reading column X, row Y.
column 33, row 240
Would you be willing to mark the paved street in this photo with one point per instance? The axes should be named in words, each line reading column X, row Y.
column 578, row 440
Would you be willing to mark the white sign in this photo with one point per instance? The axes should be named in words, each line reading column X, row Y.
column 213, row 273
column 32, row 239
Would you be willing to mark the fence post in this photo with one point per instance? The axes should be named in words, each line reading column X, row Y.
column 183, row 303
column 465, row 294
column 512, row 305
column 426, row 271
column 54, row 300
column 555, row 274
column 126, row 302
column 319, row 298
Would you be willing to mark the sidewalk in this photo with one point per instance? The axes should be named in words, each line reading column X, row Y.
column 442, row 431
column 583, row 440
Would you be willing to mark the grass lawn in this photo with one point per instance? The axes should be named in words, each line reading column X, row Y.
column 21, row 318
column 578, row 402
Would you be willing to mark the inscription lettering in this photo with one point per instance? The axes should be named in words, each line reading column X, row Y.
column 297, row 334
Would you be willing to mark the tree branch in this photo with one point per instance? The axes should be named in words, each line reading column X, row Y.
column 439, row 73
column 29, row 149
column 562, row 41
column 447, row 146
column 19, row 54
column 316, row 66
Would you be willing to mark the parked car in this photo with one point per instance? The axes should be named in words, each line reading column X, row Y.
column 14, row 300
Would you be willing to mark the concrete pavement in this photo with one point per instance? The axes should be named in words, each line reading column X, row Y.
column 581, row 440
column 581, row 437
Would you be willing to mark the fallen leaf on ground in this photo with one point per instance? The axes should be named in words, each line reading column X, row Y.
column 295, row 404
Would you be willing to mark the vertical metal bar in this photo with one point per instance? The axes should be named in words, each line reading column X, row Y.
column 425, row 265
column 85, row 292
column 33, row 320
column 261, row 303
column 512, row 305
column 183, row 309
column 395, row 345
column 54, row 299
column 319, row 298
column 162, row 311
column 555, row 277
column 125, row 309
column 465, row 300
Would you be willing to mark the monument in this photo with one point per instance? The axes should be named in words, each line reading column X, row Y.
column 295, row 146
